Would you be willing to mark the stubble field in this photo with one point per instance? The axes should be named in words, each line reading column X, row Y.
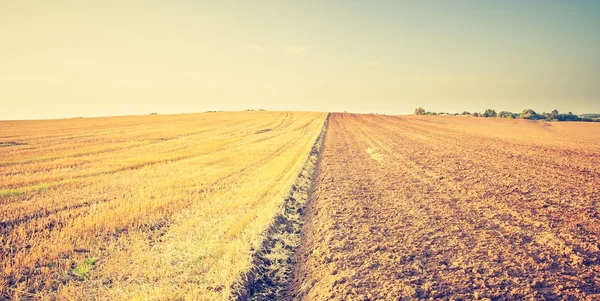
column 160, row 207
column 452, row 208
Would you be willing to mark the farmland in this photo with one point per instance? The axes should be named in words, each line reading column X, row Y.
column 210, row 206
column 452, row 208
column 168, row 207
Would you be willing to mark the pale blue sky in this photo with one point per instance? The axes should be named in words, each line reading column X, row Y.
column 69, row 58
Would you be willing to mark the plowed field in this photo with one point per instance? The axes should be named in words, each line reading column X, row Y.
column 452, row 208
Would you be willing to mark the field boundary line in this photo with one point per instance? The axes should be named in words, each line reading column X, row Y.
column 272, row 263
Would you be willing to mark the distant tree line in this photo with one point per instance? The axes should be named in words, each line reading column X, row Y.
column 526, row 114
column 421, row 111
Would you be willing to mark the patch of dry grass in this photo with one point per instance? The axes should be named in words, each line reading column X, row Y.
column 166, row 207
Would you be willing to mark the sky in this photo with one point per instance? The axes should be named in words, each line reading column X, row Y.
column 61, row 59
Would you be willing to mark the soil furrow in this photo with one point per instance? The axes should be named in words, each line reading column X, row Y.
column 273, row 262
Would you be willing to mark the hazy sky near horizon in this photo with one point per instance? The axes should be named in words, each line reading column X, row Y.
column 82, row 58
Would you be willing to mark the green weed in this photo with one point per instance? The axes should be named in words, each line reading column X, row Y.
column 82, row 271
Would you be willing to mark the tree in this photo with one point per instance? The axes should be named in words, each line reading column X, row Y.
column 553, row 115
column 489, row 113
column 529, row 114
column 419, row 111
column 507, row 114
column 566, row 117
column 465, row 113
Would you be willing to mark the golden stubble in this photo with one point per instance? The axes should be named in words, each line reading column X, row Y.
column 143, row 207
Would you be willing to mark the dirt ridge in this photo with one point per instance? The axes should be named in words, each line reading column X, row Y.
column 273, row 262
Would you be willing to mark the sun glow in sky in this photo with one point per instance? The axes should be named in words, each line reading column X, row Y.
column 77, row 58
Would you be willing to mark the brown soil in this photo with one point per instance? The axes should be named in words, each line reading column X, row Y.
column 452, row 208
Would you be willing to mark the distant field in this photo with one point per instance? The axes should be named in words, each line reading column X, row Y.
column 453, row 208
column 132, row 207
